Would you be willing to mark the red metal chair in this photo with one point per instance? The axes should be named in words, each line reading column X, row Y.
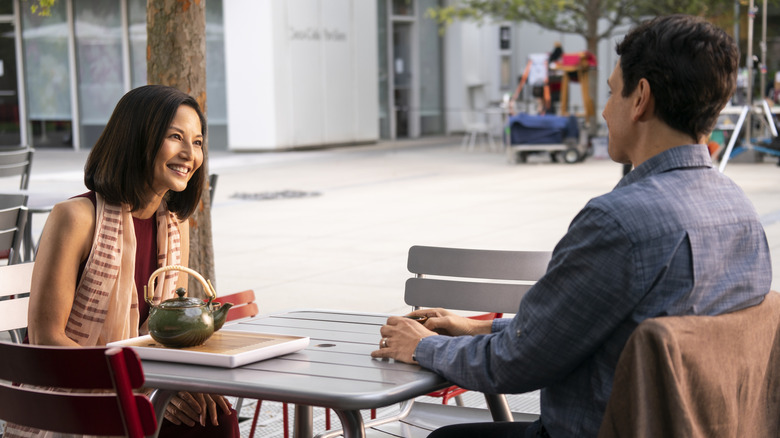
column 454, row 391
column 244, row 305
column 446, row 394
column 118, row 412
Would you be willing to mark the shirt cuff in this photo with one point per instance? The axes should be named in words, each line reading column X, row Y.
column 425, row 349
column 500, row 324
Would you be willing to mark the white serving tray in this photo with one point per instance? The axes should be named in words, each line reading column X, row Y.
column 225, row 348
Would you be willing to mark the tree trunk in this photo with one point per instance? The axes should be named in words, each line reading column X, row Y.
column 176, row 56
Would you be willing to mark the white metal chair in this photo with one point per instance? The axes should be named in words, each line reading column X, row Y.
column 477, row 280
column 213, row 178
column 13, row 223
column 14, row 298
column 477, row 125
column 17, row 162
column 476, row 122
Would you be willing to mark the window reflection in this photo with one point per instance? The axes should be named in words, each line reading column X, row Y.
column 98, row 34
column 47, row 76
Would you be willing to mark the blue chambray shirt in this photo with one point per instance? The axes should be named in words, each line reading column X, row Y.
column 675, row 237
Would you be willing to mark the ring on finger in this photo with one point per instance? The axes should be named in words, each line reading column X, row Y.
column 383, row 343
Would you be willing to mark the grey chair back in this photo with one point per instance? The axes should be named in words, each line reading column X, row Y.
column 472, row 279
column 213, row 178
column 13, row 221
column 17, row 162
column 15, row 283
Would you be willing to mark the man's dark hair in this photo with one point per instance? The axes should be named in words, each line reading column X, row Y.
column 691, row 66
column 121, row 164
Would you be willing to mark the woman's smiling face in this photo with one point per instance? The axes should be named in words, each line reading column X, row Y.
column 180, row 154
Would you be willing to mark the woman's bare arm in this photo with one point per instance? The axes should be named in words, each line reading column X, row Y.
column 65, row 243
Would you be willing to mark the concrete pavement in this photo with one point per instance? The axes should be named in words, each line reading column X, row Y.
column 331, row 228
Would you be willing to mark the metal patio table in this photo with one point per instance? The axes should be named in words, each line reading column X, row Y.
column 335, row 371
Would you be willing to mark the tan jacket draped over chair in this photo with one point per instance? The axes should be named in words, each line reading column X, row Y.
column 700, row 376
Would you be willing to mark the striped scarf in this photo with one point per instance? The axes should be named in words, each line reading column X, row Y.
column 105, row 308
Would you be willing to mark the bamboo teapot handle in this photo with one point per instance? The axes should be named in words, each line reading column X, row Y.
column 149, row 288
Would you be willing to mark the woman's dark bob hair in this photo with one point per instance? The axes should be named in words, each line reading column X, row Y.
column 121, row 164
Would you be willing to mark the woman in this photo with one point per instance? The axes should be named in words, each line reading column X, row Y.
column 98, row 250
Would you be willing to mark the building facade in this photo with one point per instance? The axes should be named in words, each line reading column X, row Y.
column 281, row 74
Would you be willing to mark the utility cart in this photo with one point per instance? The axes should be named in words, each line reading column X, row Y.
column 560, row 136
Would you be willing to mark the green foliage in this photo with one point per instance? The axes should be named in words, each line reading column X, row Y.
column 576, row 16
column 41, row 7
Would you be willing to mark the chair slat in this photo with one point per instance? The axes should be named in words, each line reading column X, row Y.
column 15, row 279
column 13, row 223
column 60, row 412
column 463, row 295
column 475, row 263
column 7, row 238
column 240, row 312
column 55, row 366
column 93, row 413
column 17, row 163
column 9, row 200
column 244, row 305
column 13, row 313
column 8, row 217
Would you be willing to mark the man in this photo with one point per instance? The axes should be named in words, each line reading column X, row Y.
column 675, row 237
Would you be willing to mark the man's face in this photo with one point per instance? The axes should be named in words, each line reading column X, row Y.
column 617, row 114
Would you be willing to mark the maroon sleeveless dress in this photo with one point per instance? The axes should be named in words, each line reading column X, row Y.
column 145, row 265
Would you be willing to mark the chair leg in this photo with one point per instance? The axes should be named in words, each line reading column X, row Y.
column 16, row 337
column 27, row 243
column 490, row 141
column 285, row 420
column 405, row 407
column 254, row 419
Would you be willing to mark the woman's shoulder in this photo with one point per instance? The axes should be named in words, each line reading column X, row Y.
column 74, row 210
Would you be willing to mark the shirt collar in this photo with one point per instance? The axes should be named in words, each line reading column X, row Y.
column 690, row 155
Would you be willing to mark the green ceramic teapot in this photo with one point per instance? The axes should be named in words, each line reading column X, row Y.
column 184, row 322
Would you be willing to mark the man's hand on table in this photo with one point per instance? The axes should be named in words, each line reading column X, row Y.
column 400, row 335
column 190, row 408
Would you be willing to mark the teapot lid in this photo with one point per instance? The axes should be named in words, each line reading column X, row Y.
column 181, row 301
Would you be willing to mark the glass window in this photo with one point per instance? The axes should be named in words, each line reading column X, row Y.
column 384, row 119
column 431, row 92
column 403, row 7
column 98, row 32
column 47, row 75
column 216, row 103
column 136, row 17
column 506, row 72
column 9, row 90
column 215, row 63
column 216, row 90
